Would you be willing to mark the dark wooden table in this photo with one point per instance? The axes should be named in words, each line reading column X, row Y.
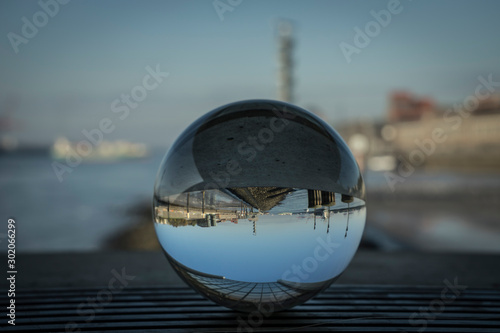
column 379, row 292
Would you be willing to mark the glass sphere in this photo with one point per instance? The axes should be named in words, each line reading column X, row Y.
column 259, row 204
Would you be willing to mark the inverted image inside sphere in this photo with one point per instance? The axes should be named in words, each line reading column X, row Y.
column 259, row 203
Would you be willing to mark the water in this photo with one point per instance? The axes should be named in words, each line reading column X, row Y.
column 92, row 203
column 436, row 211
column 297, row 245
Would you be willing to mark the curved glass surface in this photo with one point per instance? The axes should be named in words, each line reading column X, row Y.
column 259, row 203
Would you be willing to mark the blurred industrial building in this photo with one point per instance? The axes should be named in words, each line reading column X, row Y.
column 418, row 131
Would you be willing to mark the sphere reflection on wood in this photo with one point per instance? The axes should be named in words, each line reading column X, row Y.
column 259, row 205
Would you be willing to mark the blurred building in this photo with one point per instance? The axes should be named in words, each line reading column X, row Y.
column 468, row 137
column 427, row 135
column 285, row 61
column 403, row 106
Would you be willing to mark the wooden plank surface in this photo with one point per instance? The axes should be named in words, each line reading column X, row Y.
column 342, row 308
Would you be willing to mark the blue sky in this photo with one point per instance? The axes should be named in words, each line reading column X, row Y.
column 66, row 77
column 280, row 243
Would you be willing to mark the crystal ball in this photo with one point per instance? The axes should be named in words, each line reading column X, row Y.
column 259, row 204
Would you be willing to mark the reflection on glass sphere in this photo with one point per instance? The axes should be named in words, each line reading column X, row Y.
column 259, row 205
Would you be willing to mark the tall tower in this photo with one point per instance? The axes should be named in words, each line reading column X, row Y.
column 285, row 61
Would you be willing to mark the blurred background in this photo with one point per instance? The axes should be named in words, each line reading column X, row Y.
column 93, row 93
